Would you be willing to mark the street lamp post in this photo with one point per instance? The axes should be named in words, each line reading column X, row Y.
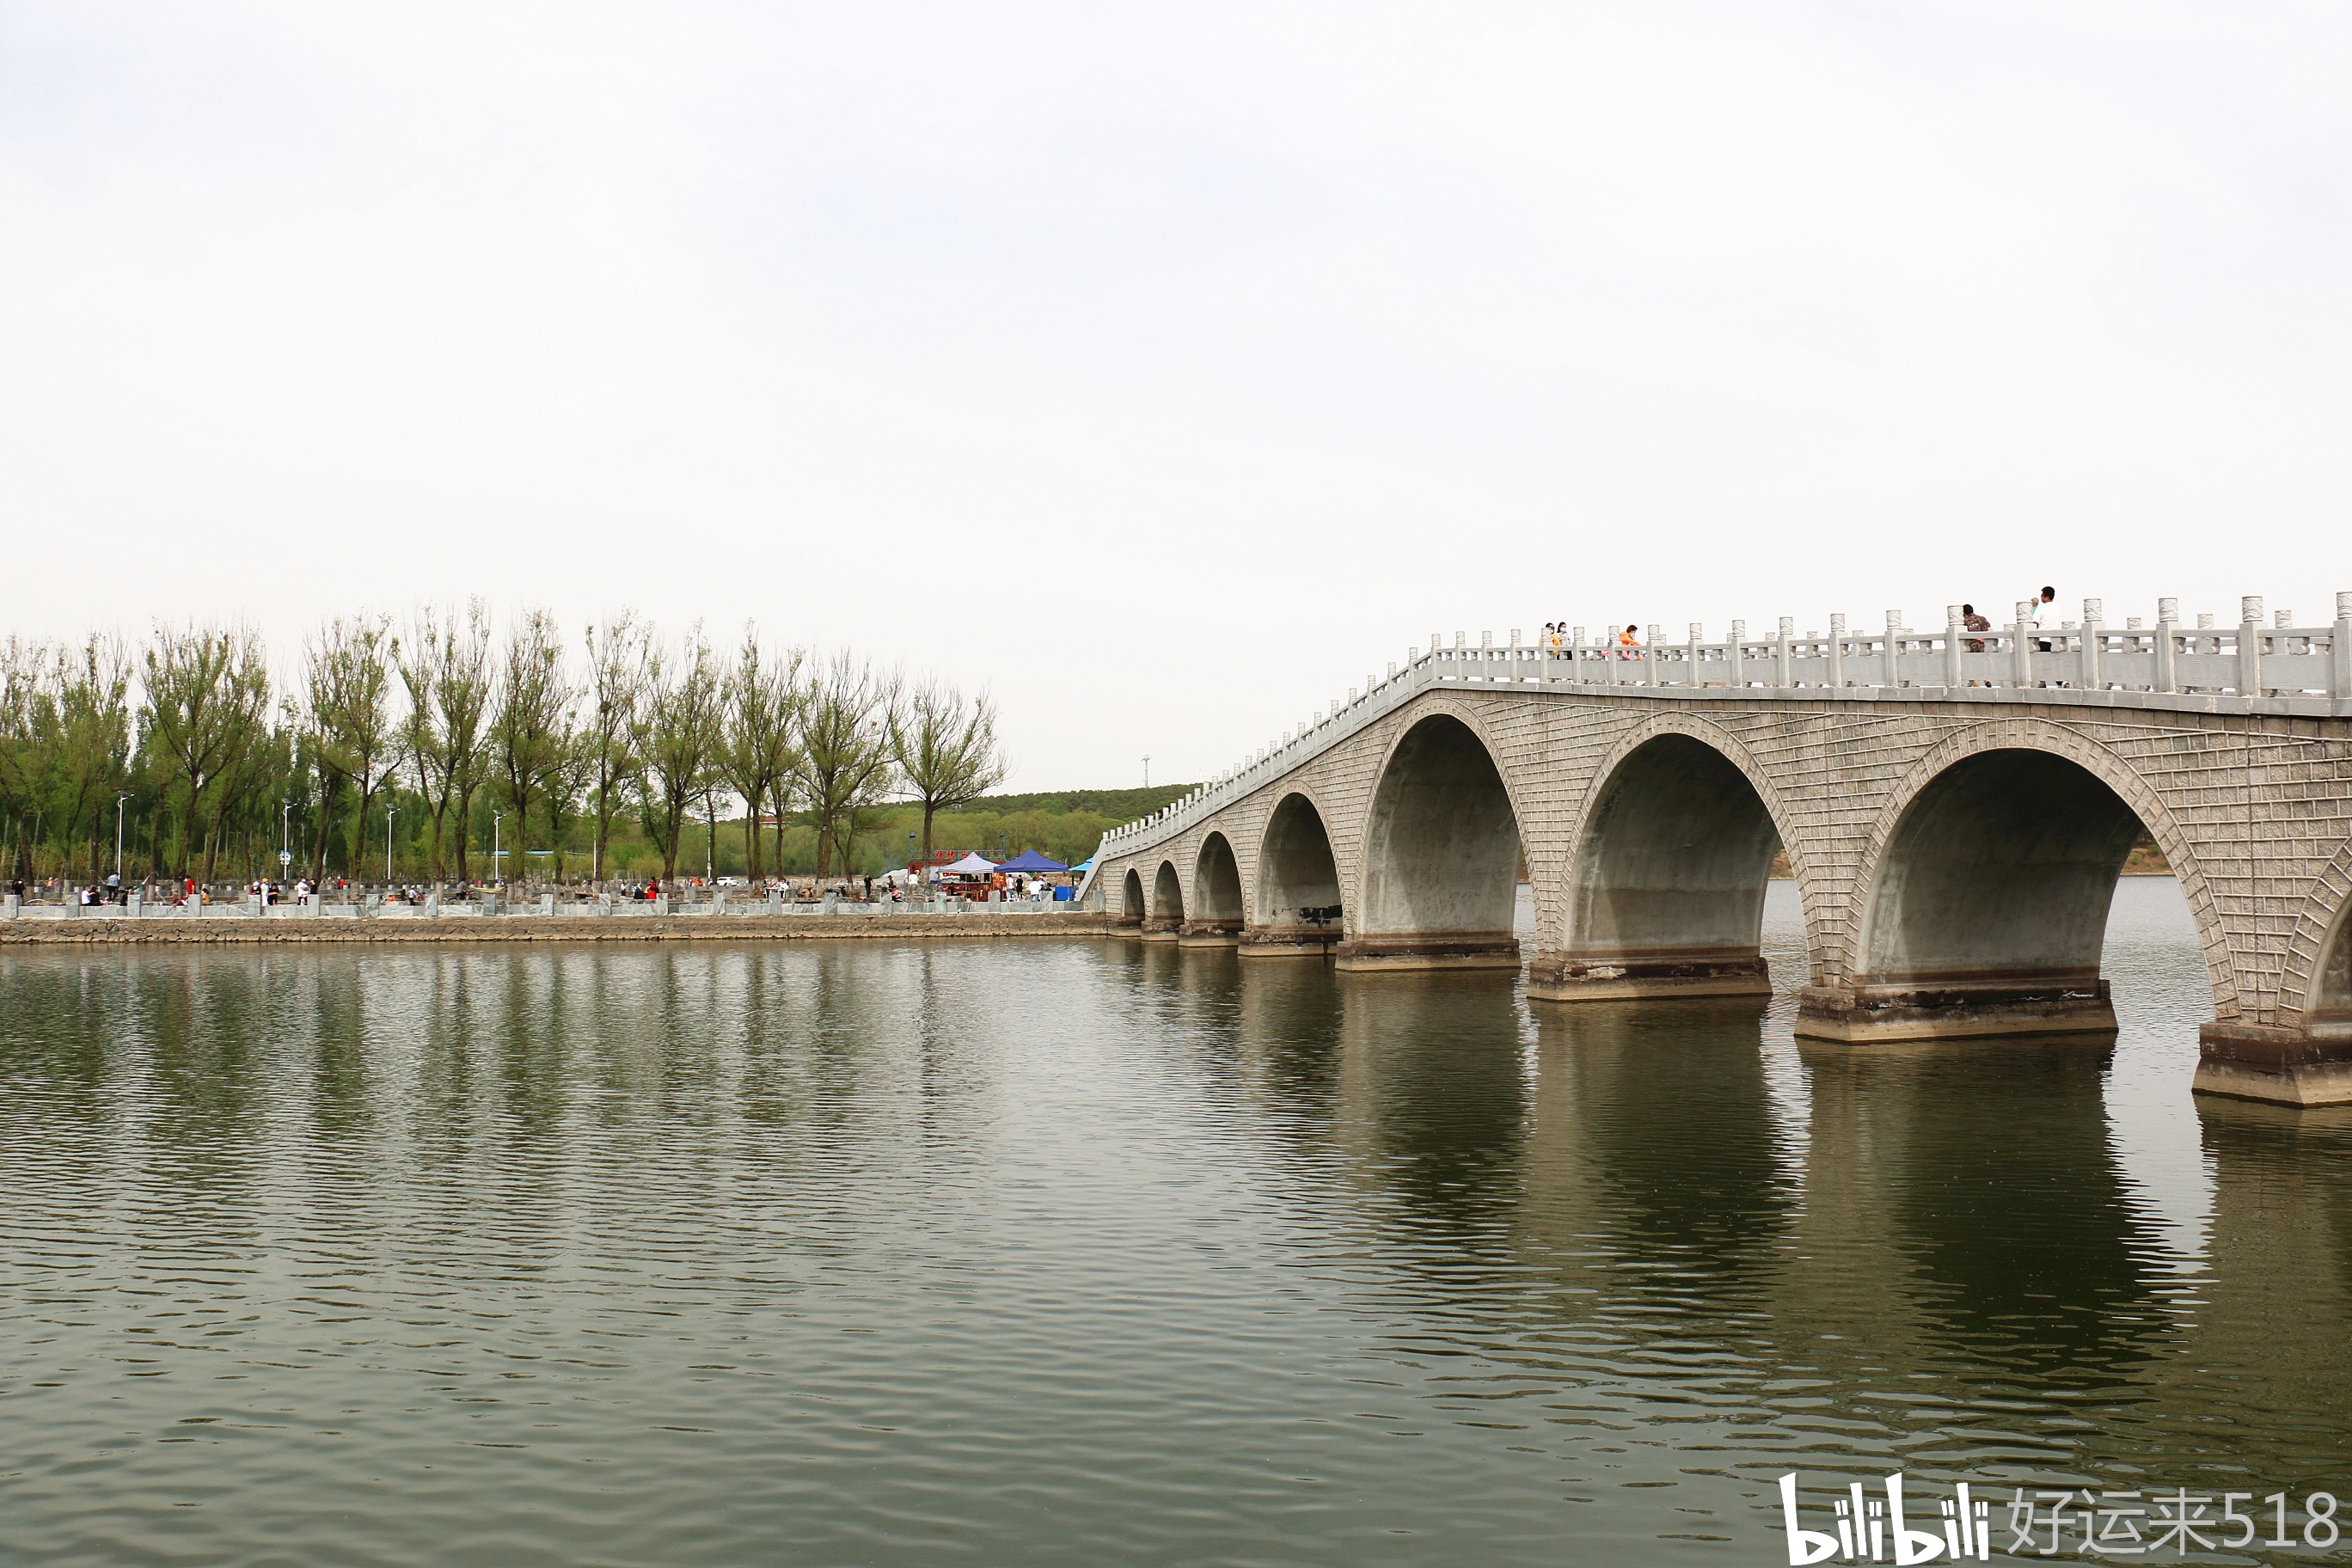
column 497, row 817
column 119, row 799
column 390, row 810
column 1147, row 769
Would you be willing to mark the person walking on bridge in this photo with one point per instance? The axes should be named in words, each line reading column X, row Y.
column 2042, row 613
column 1629, row 643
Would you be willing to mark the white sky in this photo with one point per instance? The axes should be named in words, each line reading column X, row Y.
column 1168, row 370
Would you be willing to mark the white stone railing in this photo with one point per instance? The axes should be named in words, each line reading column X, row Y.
column 2249, row 667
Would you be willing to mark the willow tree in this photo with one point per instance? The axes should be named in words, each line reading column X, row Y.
column 24, row 673
column 849, row 711
column 946, row 748
column 93, row 739
column 758, row 751
column 206, row 689
column 531, row 734
column 677, row 738
column 348, row 690
column 445, row 663
column 616, row 685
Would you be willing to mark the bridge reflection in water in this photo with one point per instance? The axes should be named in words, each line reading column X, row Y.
column 1934, row 1255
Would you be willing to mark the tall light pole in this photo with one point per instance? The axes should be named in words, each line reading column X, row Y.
column 496, row 817
column 118, row 798
column 1147, row 769
column 390, row 810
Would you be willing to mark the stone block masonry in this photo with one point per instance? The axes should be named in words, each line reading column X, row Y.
column 1955, row 832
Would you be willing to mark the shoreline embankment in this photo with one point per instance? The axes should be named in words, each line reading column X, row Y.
column 225, row 930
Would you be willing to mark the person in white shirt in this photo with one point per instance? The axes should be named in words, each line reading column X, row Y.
column 2044, row 610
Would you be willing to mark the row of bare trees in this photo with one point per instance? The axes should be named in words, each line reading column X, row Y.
column 433, row 715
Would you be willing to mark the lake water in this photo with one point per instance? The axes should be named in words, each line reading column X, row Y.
column 1099, row 1252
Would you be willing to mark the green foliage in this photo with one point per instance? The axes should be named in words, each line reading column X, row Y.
column 438, row 744
column 1113, row 806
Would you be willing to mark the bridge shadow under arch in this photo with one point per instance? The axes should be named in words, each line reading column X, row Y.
column 1986, row 909
column 1217, row 909
column 1296, row 873
column 1666, row 889
column 1442, row 856
column 1131, row 905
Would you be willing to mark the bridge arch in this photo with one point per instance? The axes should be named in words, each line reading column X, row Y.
column 1166, row 916
column 1439, row 884
column 1218, row 911
column 2317, row 979
column 1986, row 885
column 1131, row 904
column 1668, row 870
column 1295, row 871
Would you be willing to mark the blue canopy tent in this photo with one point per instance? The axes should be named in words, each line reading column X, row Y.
column 1029, row 860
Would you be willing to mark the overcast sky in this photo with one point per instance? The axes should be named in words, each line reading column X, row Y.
column 1169, row 369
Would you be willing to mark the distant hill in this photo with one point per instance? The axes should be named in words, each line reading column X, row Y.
column 1118, row 805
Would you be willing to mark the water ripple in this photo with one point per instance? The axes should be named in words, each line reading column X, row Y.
column 1079, row 1252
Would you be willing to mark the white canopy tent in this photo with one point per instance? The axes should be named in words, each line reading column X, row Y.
column 969, row 866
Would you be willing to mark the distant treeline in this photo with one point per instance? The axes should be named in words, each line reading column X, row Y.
column 444, row 748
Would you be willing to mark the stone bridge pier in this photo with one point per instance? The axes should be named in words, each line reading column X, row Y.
column 1955, row 808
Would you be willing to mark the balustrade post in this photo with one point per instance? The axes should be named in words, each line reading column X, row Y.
column 1781, row 651
column 1650, row 655
column 1953, row 641
column 2339, row 651
column 1691, row 675
column 2250, row 645
column 2167, row 675
column 2093, row 637
column 1576, row 670
column 1734, row 658
column 1894, row 647
column 1837, row 651
column 2021, row 642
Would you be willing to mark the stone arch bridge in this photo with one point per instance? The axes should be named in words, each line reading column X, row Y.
column 1955, row 805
